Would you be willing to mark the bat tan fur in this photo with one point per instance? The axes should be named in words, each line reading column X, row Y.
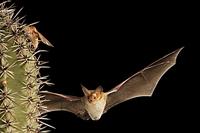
column 95, row 96
column 34, row 36
column 95, row 103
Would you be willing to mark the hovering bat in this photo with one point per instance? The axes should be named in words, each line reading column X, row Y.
column 95, row 103
column 34, row 35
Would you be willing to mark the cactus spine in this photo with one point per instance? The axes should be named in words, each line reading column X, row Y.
column 20, row 80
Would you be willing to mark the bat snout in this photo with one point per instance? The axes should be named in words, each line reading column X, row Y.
column 94, row 97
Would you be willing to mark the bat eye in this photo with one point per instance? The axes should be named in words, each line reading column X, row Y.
column 89, row 99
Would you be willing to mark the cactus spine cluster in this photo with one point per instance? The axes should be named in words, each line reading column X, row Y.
column 20, row 80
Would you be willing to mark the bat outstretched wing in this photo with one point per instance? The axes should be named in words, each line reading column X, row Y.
column 58, row 102
column 143, row 82
column 44, row 40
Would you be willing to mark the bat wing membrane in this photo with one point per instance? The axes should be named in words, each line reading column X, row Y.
column 44, row 40
column 59, row 102
column 143, row 82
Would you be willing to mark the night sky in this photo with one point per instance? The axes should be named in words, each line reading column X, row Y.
column 100, row 43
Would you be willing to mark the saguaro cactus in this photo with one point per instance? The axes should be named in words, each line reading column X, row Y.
column 20, row 80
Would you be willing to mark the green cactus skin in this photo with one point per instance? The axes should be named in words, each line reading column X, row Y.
column 20, row 80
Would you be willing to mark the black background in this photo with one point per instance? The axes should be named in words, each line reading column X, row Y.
column 100, row 43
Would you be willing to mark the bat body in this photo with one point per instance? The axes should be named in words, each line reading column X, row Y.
column 34, row 36
column 95, row 103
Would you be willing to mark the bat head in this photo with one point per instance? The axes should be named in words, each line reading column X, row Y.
column 95, row 101
column 93, row 95
column 30, row 29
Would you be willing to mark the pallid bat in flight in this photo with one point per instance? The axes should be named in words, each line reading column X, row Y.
column 34, row 36
column 95, row 103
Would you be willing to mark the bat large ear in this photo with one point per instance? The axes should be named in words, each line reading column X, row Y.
column 85, row 90
column 99, row 89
